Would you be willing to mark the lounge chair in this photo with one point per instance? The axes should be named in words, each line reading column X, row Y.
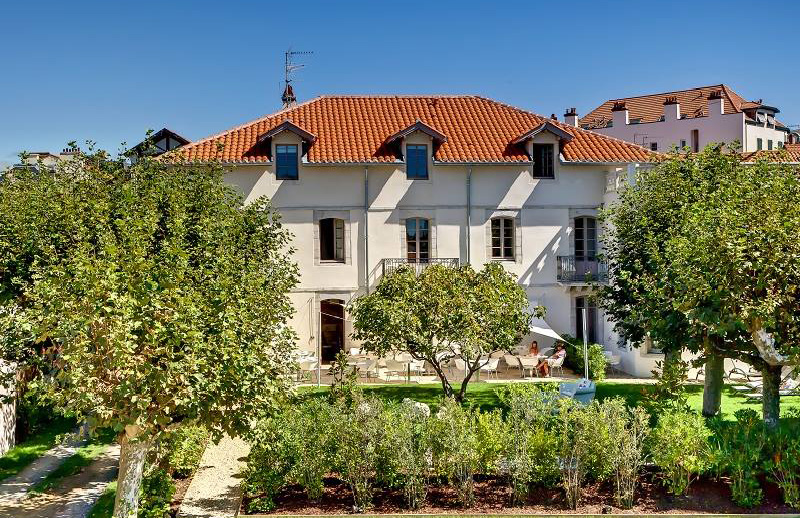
column 556, row 363
column 490, row 367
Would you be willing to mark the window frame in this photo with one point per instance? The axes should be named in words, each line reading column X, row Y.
column 591, row 315
column 654, row 146
column 294, row 164
column 759, row 144
column 539, row 165
column 409, row 163
column 338, row 240
column 417, row 240
column 507, row 230
column 584, row 239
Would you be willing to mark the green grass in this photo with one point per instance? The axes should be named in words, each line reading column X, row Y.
column 485, row 395
column 73, row 465
column 26, row 452
column 104, row 507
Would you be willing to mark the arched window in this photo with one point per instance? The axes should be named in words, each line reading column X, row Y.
column 502, row 238
column 418, row 240
column 331, row 240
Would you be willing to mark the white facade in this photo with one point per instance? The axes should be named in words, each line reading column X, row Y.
column 458, row 200
column 678, row 130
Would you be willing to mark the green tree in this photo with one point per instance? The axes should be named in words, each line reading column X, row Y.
column 444, row 313
column 736, row 268
column 641, row 298
column 145, row 296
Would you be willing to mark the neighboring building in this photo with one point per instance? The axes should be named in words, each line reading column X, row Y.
column 687, row 119
column 157, row 144
column 45, row 159
column 367, row 183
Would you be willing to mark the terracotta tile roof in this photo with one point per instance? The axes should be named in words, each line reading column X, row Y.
column 790, row 153
column 355, row 129
column 650, row 108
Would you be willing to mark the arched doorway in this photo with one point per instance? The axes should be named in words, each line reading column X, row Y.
column 331, row 328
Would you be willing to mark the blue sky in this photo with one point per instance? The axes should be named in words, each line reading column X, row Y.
column 108, row 71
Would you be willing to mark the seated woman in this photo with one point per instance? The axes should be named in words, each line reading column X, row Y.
column 534, row 349
column 544, row 367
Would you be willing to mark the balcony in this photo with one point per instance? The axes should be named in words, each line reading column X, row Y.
column 581, row 270
column 389, row 265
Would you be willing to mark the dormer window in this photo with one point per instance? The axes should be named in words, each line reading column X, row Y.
column 417, row 162
column 543, row 161
column 286, row 163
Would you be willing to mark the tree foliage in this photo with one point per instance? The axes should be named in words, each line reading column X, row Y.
column 444, row 313
column 145, row 295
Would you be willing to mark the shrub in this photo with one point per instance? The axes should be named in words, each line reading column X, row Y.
column 668, row 393
column 183, row 449
column 492, row 434
column 155, row 494
column 456, row 450
column 628, row 430
column 575, row 429
column 409, row 449
column 270, row 461
column 310, row 425
column 360, row 431
column 680, row 447
column 741, row 449
column 597, row 358
column 531, row 453
column 784, row 466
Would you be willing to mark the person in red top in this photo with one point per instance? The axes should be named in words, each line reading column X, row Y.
column 544, row 367
column 534, row 350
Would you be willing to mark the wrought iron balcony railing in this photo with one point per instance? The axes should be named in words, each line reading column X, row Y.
column 581, row 270
column 389, row 265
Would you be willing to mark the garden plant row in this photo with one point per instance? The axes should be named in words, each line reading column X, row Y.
column 535, row 440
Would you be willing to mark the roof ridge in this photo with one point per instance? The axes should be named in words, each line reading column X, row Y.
column 565, row 126
column 250, row 122
column 721, row 85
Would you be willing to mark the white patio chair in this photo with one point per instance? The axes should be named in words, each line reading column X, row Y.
column 354, row 351
column 395, row 367
column 416, row 367
column 556, row 363
column 511, row 361
column 490, row 367
column 307, row 369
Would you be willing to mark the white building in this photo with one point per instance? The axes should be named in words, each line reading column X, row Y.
column 687, row 118
column 365, row 183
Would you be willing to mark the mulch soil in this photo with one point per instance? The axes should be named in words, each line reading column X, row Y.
column 493, row 496
column 181, row 486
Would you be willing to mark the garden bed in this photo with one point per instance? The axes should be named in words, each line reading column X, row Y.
column 705, row 496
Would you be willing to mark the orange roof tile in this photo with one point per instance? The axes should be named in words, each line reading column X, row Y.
column 790, row 153
column 354, row 129
column 650, row 108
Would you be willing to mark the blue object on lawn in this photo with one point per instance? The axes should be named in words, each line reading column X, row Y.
column 581, row 391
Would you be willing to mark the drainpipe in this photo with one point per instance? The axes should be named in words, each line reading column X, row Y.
column 469, row 211
column 366, row 228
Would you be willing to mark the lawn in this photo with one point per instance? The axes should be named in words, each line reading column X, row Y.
column 26, row 452
column 73, row 465
column 485, row 395
column 104, row 507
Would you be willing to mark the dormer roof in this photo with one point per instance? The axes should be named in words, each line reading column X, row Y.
column 358, row 129
column 288, row 125
column 545, row 126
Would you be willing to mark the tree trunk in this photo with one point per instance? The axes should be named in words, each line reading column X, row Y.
column 131, row 464
column 771, row 400
column 712, row 389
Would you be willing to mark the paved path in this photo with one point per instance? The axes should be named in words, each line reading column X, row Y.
column 73, row 498
column 16, row 487
column 215, row 491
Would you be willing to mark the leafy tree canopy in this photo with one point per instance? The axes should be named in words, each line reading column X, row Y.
column 444, row 313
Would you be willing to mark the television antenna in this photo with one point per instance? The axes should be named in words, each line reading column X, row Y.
column 289, row 67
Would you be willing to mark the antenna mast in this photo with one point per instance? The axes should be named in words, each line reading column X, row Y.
column 288, row 97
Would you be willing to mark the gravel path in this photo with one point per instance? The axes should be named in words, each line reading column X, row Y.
column 15, row 488
column 215, row 491
column 74, row 497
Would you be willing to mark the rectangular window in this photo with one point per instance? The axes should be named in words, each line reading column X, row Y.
column 683, row 144
column 695, row 140
column 286, row 162
column 502, row 238
column 759, row 144
column 417, row 240
column 581, row 304
column 331, row 239
column 780, row 144
column 769, row 145
column 416, row 162
column 543, row 161
column 654, row 146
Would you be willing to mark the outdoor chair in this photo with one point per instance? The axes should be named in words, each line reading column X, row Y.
column 789, row 387
column 354, row 351
column 395, row 367
column 556, row 363
column 511, row 361
column 417, row 367
column 490, row 367
column 307, row 370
